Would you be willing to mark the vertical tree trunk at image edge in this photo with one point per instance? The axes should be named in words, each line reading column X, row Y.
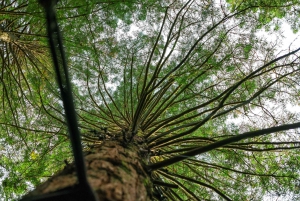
column 115, row 173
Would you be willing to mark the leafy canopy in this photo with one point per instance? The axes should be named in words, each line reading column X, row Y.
column 193, row 80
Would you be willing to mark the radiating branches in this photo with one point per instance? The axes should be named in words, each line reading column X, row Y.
column 208, row 100
column 169, row 175
column 224, row 142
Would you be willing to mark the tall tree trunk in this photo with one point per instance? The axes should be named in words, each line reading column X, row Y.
column 115, row 173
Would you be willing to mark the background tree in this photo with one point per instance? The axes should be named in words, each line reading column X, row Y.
column 174, row 77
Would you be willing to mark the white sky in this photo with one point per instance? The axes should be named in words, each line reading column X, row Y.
column 290, row 38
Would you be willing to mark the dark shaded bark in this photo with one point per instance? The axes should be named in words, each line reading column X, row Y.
column 115, row 172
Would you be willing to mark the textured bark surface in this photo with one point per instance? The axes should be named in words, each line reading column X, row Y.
column 115, row 172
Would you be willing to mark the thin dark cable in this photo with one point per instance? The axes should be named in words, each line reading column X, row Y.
column 61, row 70
column 62, row 76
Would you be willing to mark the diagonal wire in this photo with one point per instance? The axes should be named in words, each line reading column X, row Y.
column 60, row 66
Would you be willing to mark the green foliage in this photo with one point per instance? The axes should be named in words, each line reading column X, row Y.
column 175, row 74
column 267, row 11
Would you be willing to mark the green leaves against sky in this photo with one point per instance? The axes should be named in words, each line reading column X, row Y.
column 181, row 74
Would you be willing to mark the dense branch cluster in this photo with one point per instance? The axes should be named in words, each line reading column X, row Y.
column 191, row 83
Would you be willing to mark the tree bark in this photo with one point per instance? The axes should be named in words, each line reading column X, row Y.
column 115, row 172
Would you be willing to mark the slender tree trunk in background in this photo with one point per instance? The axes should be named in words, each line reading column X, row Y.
column 115, row 173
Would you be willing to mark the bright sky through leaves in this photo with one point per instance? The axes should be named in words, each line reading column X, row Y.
column 178, row 80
